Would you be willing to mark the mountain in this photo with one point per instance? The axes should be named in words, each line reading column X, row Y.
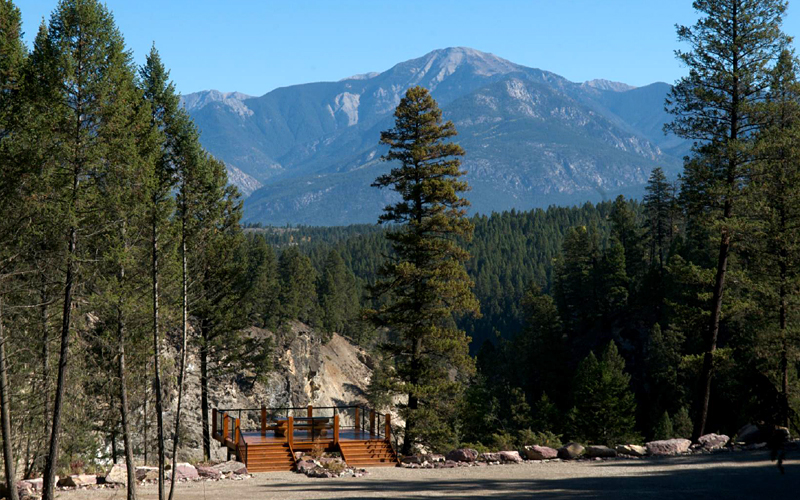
column 307, row 154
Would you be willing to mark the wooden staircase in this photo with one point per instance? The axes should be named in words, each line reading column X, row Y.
column 269, row 457
column 369, row 453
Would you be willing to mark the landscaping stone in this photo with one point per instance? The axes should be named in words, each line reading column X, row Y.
column 462, row 455
column 570, row 451
column 510, row 456
column 306, row 465
column 713, row 441
column 599, row 451
column 185, row 471
column 209, row 473
column 749, row 434
column 447, row 464
column 668, row 447
column 36, row 484
column 412, row 459
column 147, row 473
column 633, row 450
column 232, row 467
column 77, row 480
column 537, row 452
column 489, row 457
column 117, row 475
column 434, row 458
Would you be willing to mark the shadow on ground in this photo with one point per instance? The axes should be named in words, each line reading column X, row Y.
column 722, row 476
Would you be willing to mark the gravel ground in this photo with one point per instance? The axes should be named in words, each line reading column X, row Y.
column 722, row 475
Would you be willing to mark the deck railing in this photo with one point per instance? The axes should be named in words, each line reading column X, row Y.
column 229, row 424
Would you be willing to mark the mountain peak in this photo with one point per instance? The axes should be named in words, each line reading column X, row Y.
column 601, row 84
column 233, row 100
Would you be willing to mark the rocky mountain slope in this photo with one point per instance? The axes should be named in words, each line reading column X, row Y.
column 306, row 371
column 308, row 153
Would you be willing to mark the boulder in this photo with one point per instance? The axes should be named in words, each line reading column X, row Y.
column 462, row 455
column 305, row 466
column 749, row 434
column 209, row 473
column 570, row 451
column 537, row 452
column 77, row 480
column 36, row 484
column 434, row 458
column 668, row 447
column 147, row 473
column 412, row 459
column 447, row 464
column 185, row 471
column 510, row 457
column 489, row 457
column 117, row 475
column 633, row 450
column 231, row 467
column 599, row 451
column 713, row 441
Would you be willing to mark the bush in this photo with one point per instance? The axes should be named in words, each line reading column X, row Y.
column 682, row 424
column 502, row 441
column 663, row 429
column 479, row 447
column 528, row 438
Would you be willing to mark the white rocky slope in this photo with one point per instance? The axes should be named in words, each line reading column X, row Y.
column 306, row 371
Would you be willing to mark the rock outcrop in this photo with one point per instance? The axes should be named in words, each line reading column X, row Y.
column 668, row 447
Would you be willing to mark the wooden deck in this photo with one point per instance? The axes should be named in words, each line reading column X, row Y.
column 266, row 440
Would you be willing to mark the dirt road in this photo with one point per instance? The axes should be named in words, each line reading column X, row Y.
column 720, row 476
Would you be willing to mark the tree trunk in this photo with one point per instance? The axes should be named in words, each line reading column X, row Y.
column 123, row 401
column 157, row 358
column 5, row 416
column 785, row 409
column 45, row 360
column 182, row 370
column 48, row 488
column 204, row 393
column 711, row 340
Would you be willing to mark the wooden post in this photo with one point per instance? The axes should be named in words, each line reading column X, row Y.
column 372, row 422
column 290, row 430
column 336, row 429
column 388, row 427
column 263, row 420
column 358, row 420
column 213, row 424
column 310, row 411
column 225, row 434
column 237, row 432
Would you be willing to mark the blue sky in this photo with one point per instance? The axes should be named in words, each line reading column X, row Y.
column 255, row 46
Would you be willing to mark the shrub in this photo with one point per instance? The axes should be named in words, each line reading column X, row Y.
column 663, row 428
column 479, row 447
column 682, row 424
column 502, row 441
column 527, row 437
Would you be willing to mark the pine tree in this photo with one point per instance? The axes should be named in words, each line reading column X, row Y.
column 660, row 212
column 298, row 294
column 663, row 428
column 774, row 243
column 12, row 58
column 730, row 52
column 424, row 280
column 625, row 229
column 604, row 406
column 264, row 292
column 337, row 294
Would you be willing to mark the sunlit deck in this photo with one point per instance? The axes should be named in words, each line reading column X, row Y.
column 267, row 439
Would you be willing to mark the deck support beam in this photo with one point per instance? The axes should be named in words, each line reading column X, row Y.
column 263, row 420
column 388, row 427
column 336, row 429
column 372, row 422
column 358, row 420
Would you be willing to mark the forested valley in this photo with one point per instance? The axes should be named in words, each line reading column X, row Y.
column 597, row 323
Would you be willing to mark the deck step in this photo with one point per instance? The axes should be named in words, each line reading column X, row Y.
column 369, row 453
column 269, row 457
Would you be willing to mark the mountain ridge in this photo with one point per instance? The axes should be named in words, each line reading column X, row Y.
column 308, row 153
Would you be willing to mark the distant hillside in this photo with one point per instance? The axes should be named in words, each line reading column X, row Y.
column 306, row 154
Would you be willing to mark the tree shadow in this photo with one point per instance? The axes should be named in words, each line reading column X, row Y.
column 735, row 475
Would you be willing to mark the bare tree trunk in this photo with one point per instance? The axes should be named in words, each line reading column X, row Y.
column 5, row 416
column 45, row 360
column 48, row 492
column 204, row 393
column 123, row 400
column 182, row 370
column 157, row 359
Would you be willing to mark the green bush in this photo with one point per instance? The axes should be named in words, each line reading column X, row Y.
column 682, row 424
column 479, row 447
column 502, row 441
column 663, row 428
column 527, row 437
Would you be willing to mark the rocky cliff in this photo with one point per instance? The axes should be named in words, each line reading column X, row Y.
column 306, row 371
